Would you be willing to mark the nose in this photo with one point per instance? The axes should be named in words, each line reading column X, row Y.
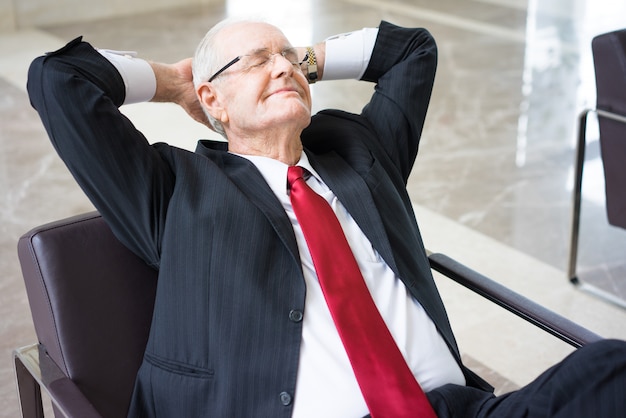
column 281, row 65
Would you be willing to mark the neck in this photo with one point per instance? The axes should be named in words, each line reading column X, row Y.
column 285, row 148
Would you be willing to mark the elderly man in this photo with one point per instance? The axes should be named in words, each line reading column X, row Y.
column 292, row 276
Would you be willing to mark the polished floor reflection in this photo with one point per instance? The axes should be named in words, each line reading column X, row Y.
column 492, row 185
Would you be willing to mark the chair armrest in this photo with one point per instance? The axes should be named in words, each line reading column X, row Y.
column 36, row 370
column 545, row 319
column 610, row 115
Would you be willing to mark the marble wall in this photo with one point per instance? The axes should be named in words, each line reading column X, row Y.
column 20, row 14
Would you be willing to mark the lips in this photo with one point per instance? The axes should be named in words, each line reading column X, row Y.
column 284, row 90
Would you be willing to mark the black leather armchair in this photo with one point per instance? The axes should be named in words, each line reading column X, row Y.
column 92, row 299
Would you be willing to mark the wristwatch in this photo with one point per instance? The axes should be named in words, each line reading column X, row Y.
column 311, row 65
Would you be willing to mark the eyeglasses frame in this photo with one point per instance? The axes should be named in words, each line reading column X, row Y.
column 238, row 58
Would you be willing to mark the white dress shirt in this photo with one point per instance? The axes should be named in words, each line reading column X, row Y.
column 326, row 386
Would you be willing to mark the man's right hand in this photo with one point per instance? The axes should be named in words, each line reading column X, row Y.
column 175, row 85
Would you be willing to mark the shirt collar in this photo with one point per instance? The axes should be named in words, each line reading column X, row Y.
column 275, row 172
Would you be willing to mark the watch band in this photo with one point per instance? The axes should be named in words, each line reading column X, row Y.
column 311, row 65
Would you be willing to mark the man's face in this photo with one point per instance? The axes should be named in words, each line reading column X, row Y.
column 257, row 98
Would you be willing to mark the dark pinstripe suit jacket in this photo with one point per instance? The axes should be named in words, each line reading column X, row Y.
column 224, row 341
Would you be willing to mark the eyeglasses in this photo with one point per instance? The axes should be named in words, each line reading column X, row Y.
column 259, row 59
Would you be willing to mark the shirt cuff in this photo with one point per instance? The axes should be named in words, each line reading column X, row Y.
column 348, row 54
column 138, row 76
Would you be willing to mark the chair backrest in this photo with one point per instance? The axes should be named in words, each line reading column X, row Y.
column 91, row 300
column 609, row 56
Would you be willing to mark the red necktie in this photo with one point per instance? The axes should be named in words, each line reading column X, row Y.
column 386, row 382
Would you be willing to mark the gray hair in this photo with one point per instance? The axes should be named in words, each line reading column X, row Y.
column 207, row 60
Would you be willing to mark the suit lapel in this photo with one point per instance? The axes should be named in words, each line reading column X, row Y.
column 250, row 181
column 353, row 193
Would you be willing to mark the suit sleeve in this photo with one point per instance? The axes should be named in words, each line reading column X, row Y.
column 76, row 92
column 402, row 65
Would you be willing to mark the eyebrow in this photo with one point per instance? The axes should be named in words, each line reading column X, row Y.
column 254, row 51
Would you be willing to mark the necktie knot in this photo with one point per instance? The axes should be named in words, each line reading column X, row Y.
column 293, row 174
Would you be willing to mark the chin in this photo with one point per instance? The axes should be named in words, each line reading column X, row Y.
column 298, row 112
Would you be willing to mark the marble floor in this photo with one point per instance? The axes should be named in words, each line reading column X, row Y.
column 491, row 187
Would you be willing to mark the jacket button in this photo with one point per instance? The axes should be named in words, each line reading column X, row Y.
column 285, row 398
column 295, row 315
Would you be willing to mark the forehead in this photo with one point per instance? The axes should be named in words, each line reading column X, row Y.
column 247, row 36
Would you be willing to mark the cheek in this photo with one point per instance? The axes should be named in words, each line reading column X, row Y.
column 306, row 89
column 243, row 101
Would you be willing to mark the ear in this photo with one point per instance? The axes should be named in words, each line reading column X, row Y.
column 211, row 100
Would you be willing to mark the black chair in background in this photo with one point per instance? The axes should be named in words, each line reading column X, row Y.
column 609, row 57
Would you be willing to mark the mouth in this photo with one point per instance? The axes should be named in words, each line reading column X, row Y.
column 285, row 90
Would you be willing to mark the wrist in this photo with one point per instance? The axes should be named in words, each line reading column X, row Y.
column 171, row 85
column 310, row 65
column 313, row 62
column 163, row 91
